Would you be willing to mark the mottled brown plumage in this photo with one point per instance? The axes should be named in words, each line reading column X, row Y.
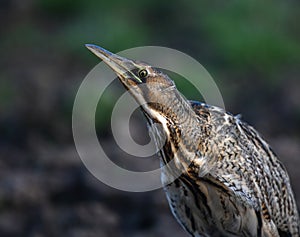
column 231, row 182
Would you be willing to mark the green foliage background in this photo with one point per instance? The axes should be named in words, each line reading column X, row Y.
column 253, row 43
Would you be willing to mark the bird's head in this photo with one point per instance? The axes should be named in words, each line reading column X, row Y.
column 160, row 101
column 152, row 89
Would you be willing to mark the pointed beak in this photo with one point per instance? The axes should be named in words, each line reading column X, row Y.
column 120, row 65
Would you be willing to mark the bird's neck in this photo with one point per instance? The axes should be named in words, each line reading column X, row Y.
column 173, row 109
column 183, row 132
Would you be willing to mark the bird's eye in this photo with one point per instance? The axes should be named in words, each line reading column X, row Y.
column 143, row 73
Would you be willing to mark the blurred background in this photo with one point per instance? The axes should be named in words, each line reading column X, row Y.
column 251, row 48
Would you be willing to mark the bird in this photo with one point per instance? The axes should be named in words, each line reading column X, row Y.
column 225, row 179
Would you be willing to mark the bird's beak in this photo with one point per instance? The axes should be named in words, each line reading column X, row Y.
column 120, row 65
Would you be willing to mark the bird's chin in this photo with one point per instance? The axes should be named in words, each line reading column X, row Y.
column 128, row 81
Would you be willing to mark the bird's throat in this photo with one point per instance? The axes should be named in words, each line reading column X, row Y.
column 182, row 134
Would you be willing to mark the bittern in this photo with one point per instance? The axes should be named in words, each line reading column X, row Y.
column 231, row 182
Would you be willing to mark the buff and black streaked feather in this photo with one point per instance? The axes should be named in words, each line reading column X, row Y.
column 247, row 190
